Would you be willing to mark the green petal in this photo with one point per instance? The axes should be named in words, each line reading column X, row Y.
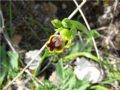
column 67, row 34
column 68, row 44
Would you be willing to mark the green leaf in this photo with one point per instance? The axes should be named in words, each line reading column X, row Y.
column 113, row 76
column 2, row 76
column 13, row 59
column 84, row 86
column 69, row 24
column 3, row 54
column 69, row 81
column 47, row 86
column 79, row 26
column 75, row 48
column 93, row 33
column 72, row 81
column 99, row 87
column 3, row 62
column 60, row 69
column 56, row 23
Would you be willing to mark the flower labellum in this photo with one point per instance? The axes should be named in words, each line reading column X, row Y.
column 55, row 43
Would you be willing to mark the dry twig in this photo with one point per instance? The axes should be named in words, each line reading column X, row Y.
column 88, row 26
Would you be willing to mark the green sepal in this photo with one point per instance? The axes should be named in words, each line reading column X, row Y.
column 56, row 23
column 66, row 34
column 66, row 23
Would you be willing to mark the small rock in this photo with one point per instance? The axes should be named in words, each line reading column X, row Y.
column 84, row 69
column 29, row 55
column 54, row 79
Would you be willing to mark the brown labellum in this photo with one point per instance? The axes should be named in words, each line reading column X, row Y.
column 55, row 43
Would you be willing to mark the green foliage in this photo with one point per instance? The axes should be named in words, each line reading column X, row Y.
column 99, row 87
column 8, row 64
column 3, row 64
column 13, row 60
column 68, row 81
column 47, row 86
column 60, row 69
column 75, row 48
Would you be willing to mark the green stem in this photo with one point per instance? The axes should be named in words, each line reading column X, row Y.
column 43, row 58
column 85, row 54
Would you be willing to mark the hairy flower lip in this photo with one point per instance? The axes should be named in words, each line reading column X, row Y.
column 55, row 43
